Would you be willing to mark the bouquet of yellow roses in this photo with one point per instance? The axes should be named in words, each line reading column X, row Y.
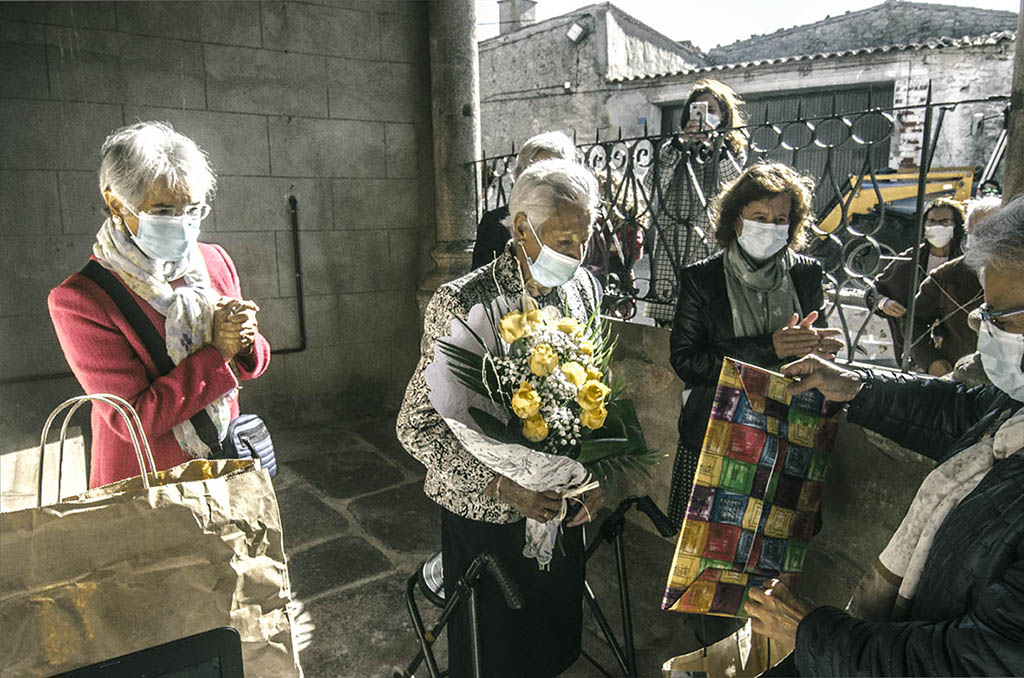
column 545, row 377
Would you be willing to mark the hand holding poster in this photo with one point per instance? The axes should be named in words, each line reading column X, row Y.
column 756, row 494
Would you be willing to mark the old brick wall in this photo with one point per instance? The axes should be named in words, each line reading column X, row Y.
column 956, row 73
column 326, row 102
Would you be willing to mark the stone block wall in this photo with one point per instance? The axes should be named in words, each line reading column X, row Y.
column 329, row 102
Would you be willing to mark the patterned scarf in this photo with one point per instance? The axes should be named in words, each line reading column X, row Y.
column 763, row 299
column 887, row 592
column 188, row 310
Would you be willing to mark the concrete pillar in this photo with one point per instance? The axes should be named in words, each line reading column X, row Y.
column 1013, row 174
column 455, row 95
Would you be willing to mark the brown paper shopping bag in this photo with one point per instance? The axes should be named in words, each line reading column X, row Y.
column 741, row 654
column 144, row 561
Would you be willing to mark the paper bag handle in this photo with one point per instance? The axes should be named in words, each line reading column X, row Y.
column 122, row 407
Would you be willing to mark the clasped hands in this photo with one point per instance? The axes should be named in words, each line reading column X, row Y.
column 234, row 326
column 799, row 338
column 544, row 506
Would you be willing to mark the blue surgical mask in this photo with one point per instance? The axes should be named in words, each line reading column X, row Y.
column 551, row 269
column 167, row 237
column 1001, row 354
column 761, row 241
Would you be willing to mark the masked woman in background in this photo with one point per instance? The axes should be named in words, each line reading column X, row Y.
column 685, row 183
column 757, row 301
column 156, row 184
column 943, row 234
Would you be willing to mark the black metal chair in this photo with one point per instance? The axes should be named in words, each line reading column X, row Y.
column 429, row 578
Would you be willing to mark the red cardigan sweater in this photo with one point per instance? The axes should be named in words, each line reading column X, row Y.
column 107, row 356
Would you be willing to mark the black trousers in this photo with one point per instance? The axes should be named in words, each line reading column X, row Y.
column 542, row 639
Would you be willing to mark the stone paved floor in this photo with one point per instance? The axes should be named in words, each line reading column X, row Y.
column 356, row 524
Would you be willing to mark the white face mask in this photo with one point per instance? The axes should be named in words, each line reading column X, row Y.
column 551, row 269
column 1001, row 354
column 713, row 121
column 938, row 236
column 760, row 241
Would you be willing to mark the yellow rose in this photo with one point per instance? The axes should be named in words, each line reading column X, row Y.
column 525, row 401
column 592, row 395
column 594, row 419
column 575, row 373
column 568, row 325
column 543, row 360
column 535, row 429
column 533, row 319
column 511, row 326
column 594, row 373
column 586, row 347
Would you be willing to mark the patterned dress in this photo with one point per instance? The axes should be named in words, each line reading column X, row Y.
column 542, row 639
column 682, row 219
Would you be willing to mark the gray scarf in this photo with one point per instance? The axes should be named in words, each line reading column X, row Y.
column 763, row 299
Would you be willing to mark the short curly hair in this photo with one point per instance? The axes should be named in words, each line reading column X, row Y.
column 760, row 182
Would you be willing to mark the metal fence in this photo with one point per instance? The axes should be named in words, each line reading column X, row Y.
column 861, row 227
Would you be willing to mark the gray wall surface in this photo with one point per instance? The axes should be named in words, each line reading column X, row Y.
column 328, row 102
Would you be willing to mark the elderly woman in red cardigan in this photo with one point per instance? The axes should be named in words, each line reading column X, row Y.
column 156, row 183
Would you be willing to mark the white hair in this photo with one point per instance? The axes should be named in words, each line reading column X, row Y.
column 544, row 183
column 999, row 239
column 554, row 144
column 979, row 208
column 136, row 157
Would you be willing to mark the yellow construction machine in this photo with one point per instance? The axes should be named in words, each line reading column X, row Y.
column 898, row 191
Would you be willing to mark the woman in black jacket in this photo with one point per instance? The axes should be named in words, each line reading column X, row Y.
column 756, row 301
column 946, row 595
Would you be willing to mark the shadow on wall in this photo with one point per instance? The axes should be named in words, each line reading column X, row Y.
column 870, row 484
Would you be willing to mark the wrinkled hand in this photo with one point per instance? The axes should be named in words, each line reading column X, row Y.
column 541, row 506
column 812, row 371
column 776, row 612
column 593, row 501
column 227, row 334
column 891, row 307
column 244, row 311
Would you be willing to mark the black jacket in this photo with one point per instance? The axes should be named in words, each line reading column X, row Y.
column 967, row 617
column 702, row 334
column 491, row 237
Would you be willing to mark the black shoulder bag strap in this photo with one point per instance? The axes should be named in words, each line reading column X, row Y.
column 151, row 339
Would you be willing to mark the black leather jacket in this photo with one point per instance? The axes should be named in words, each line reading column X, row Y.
column 702, row 334
column 967, row 617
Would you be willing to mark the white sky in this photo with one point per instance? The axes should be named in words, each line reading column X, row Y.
column 701, row 21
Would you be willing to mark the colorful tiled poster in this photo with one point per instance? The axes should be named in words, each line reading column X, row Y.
column 756, row 494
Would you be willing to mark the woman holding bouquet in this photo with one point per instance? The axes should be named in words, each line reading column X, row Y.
column 553, row 204
column 757, row 301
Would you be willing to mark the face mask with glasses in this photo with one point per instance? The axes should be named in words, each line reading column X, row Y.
column 169, row 237
column 1002, row 351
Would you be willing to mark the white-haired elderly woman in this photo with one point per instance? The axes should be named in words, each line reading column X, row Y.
column 553, row 204
column 946, row 596
column 156, row 184
column 493, row 232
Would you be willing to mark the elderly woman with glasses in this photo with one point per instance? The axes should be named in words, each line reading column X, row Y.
column 149, row 275
column 946, row 595
column 553, row 206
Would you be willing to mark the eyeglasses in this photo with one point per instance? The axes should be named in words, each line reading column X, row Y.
column 944, row 222
column 998, row 318
column 200, row 211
